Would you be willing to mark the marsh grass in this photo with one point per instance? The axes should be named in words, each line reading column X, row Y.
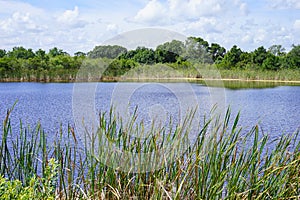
column 222, row 163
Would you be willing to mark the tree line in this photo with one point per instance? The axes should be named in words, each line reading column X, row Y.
column 25, row 64
column 28, row 65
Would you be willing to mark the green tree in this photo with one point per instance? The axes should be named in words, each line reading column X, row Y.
column 5, row 66
column 231, row 58
column 200, row 41
column 217, row 52
column 80, row 54
column 37, row 63
column 107, row 51
column 41, row 54
column 2, row 53
column 144, row 55
column 277, row 50
column 163, row 56
column 21, row 52
column 119, row 67
column 56, row 52
column 197, row 50
column 169, row 52
column 271, row 62
column 141, row 55
column 259, row 55
column 65, row 61
column 245, row 60
column 293, row 57
column 175, row 46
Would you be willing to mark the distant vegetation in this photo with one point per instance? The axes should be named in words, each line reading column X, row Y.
column 21, row 64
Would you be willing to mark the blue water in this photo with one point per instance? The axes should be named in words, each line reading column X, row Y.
column 277, row 110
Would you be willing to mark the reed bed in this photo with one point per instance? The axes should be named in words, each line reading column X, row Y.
column 223, row 162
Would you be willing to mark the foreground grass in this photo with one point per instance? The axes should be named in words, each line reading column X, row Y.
column 222, row 163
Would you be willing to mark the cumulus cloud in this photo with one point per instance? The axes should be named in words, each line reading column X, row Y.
column 194, row 8
column 244, row 8
column 254, row 33
column 205, row 24
column 247, row 38
column 214, row 20
column 19, row 18
column 20, row 22
column 227, row 22
column 154, row 12
column 71, row 18
column 284, row 4
column 171, row 11
column 69, row 15
column 260, row 35
column 297, row 25
column 248, row 24
column 8, row 7
column 112, row 28
column 201, row 15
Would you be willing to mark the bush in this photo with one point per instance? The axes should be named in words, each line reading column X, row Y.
column 38, row 188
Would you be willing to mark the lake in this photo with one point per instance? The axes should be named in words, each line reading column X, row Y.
column 276, row 109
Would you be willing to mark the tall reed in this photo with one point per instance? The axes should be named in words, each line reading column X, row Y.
column 221, row 163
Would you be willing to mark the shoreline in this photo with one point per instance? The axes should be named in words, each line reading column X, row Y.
column 214, row 79
column 145, row 79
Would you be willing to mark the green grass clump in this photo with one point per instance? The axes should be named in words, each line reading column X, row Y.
column 248, row 74
column 37, row 187
column 222, row 162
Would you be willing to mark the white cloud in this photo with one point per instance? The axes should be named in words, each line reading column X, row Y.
column 205, row 25
column 153, row 12
column 170, row 12
column 247, row 38
column 284, row 4
column 112, row 29
column 244, row 8
column 194, row 8
column 20, row 23
column 297, row 25
column 71, row 18
column 173, row 11
column 78, row 27
column 248, row 24
column 224, row 22
column 8, row 7
column 254, row 33
column 260, row 35
column 241, row 6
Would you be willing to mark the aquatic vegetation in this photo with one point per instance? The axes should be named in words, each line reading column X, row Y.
column 222, row 163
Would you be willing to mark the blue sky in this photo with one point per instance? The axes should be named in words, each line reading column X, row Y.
column 79, row 25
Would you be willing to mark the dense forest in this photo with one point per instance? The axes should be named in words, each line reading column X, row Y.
column 21, row 64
